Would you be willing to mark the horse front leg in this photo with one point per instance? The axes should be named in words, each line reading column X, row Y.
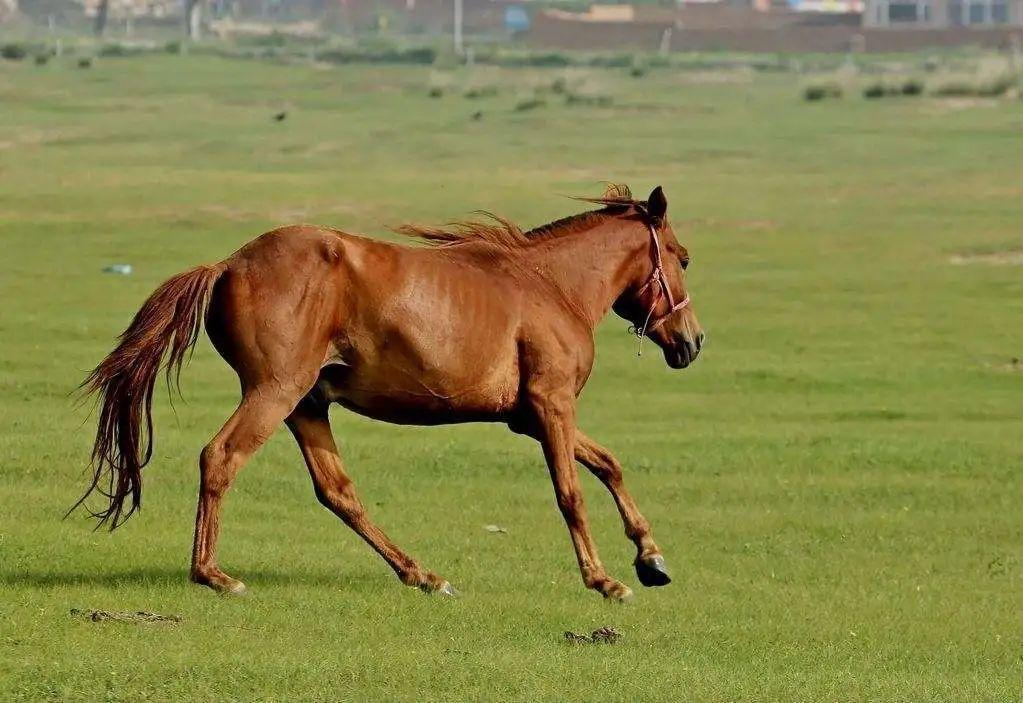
column 650, row 567
column 555, row 428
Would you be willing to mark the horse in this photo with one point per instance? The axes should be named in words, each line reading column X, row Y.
column 489, row 324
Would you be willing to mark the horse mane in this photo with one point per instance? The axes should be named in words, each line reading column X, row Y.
column 503, row 233
column 498, row 231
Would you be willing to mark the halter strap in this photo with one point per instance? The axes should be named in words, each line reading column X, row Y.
column 664, row 291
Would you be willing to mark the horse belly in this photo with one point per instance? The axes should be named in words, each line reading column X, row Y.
column 394, row 393
column 425, row 374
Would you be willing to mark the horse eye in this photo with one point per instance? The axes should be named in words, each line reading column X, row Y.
column 684, row 263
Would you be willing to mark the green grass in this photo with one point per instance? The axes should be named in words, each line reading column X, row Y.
column 835, row 484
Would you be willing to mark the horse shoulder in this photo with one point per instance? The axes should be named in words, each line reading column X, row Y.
column 556, row 346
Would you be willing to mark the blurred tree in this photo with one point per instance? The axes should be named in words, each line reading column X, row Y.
column 100, row 25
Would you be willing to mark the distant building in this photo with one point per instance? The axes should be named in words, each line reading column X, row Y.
column 813, row 26
column 942, row 14
column 8, row 9
column 133, row 8
column 841, row 7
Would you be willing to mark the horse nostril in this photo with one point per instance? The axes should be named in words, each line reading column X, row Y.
column 699, row 341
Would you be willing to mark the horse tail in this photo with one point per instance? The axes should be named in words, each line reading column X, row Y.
column 168, row 324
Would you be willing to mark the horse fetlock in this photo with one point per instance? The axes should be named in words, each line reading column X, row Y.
column 427, row 582
column 639, row 532
column 614, row 590
column 218, row 581
column 610, row 588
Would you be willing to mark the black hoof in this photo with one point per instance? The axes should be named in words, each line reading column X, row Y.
column 651, row 571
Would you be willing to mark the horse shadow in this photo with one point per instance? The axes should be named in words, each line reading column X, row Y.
column 166, row 577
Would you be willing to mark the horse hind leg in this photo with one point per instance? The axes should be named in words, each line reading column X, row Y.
column 261, row 410
column 310, row 425
column 274, row 334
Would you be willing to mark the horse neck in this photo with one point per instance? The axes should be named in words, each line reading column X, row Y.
column 595, row 265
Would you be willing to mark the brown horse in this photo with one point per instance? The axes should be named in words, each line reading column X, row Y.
column 493, row 324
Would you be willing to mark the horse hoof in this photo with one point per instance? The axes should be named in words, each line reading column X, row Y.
column 232, row 588
column 652, row 571
column 444, row 589
column 618, row 593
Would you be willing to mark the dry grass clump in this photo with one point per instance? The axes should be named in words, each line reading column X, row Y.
column 821, row 91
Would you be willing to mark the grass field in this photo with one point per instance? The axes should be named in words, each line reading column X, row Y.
column 836, row 483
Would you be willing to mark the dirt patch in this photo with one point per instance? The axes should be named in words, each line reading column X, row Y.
column 1015, row 364
column 1010, row 257
column 737, row 75
column 139, row 616
column 945, row 105
column 40, row 138
column 648, row 108
column 605, row 635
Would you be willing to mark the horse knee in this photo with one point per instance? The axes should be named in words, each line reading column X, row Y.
column 605, row 467
column 609, row 473
column 328, row 496
column 569, row 503
column 341, row 499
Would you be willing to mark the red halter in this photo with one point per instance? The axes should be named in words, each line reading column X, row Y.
column 664, row 291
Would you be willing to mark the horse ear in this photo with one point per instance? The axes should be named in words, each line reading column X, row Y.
column 657, row 204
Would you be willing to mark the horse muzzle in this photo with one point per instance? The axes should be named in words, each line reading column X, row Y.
column 684, row 351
